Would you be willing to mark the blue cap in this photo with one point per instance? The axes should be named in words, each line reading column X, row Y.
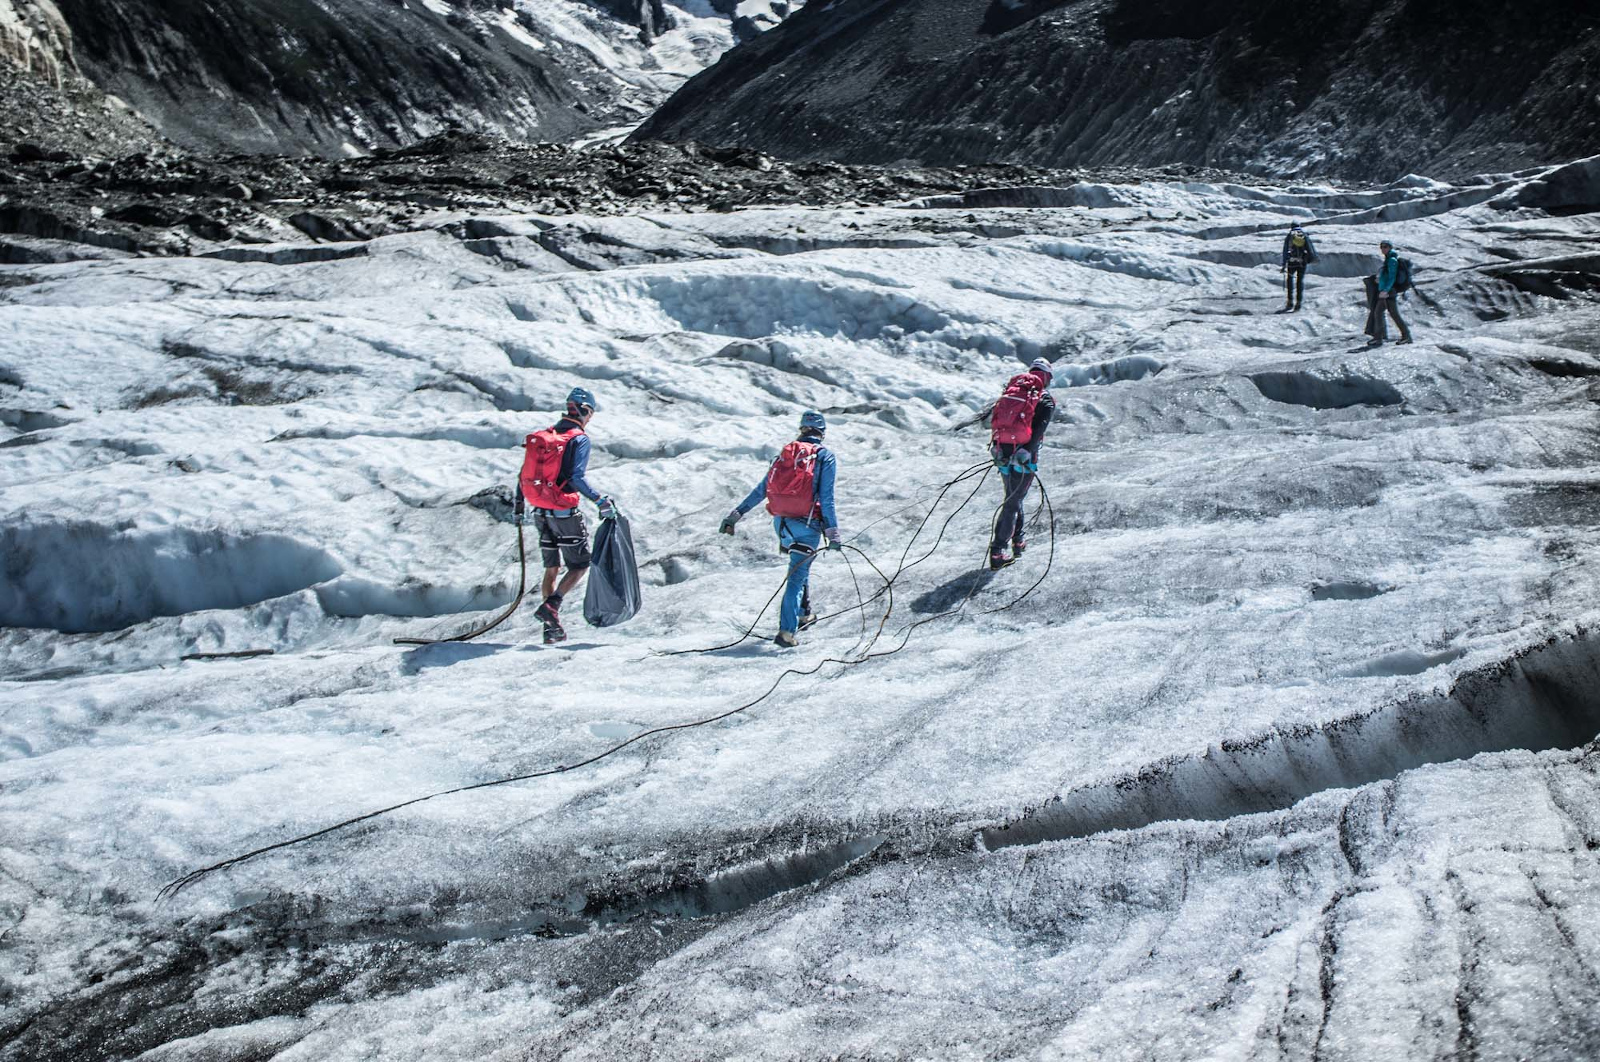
column 579, row 397
column 811, row 420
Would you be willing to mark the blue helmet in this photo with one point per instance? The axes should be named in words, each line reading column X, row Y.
column 579, row 398
column 812, row 421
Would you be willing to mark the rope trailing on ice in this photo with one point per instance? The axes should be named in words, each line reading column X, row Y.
column 866, row 653
column 172, row 888
column 522, row 589
column 980, row 470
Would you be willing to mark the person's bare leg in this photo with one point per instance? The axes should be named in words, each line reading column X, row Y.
column 548, row 586
column 569, row 581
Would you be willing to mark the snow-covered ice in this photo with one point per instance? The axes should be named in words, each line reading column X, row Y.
column 1289, row 755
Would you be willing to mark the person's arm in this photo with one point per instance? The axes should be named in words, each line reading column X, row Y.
column 1386, row 275
column 751, row 500
column 1284, row 260
column 755, row 497
column 578, row 453
column 1042, row 415
column 1311, row 251
column 827, row 467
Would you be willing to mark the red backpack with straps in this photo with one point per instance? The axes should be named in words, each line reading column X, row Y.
column 541, row 469
column 1012, row 420
column 792, row 481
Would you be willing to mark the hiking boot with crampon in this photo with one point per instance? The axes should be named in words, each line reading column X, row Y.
column 786, row 640
column 1019, row 546
column 999, row 560
column 808, row 619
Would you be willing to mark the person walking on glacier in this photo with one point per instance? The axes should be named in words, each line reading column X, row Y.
column 555, row 466
column 1383, row 296
column 798, row 489
column 1298, row 252
column 1017, row 428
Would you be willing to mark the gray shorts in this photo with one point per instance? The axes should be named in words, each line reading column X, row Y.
column 562, row 539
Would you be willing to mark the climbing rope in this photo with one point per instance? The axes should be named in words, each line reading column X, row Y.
column 851, row 659
column 522, row 589
column 903, row 567
column 980, row 470
column 173, row 888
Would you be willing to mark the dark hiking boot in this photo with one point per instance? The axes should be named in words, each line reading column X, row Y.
column 786, row 640
column 808, row 619
column 1018, row 548
column 1287, row 309
column 998, row 560
column 549, row 611
column 1372, row 343
column 1402, row 341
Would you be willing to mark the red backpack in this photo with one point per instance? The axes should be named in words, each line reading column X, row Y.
column 792, row 481
column 1012, row 420
column 541, row 469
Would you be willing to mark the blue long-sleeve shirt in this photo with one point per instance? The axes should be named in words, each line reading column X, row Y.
column 575, row 462
column 827, row 469
column 1390, row 270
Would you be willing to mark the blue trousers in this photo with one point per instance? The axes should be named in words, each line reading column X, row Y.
column 800, row 540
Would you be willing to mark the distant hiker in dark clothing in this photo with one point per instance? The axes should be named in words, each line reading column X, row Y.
column 1298, row 253
column 1383, row 295
column 1017, row 426
column 554, row 469
column 798, row 489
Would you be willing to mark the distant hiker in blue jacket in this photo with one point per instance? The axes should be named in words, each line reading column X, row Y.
column 555, row 465
column 1384, row 291
column 1298, row 253
column 798, row 489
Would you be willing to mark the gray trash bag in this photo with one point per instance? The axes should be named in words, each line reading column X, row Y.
column 613, row 593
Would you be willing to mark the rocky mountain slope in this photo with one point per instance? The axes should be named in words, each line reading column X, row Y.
column 46, row 104
column 1370, row 89
column 343, row 77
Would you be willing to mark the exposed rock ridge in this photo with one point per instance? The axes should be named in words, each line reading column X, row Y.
column 35, row 38
column 1363, row 89
column 346, row 77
